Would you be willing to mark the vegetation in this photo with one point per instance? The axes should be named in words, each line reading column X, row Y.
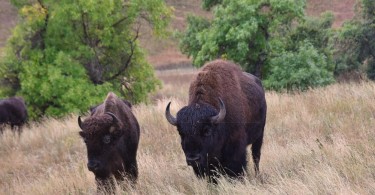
column 64, row 56
column 317, row 142
column 276, row 41
column 355, row 42
column 299, row 70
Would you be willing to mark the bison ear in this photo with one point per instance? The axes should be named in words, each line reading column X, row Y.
column 82, row 134
column 115, row 132
column 112, row 129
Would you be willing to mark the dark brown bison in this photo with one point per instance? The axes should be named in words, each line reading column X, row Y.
column 226, row 112
column 13, row 112
column 111, row 135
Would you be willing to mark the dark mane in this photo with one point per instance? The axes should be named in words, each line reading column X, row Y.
column 96, row 125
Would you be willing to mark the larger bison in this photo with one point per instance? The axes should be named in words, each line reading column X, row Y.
column 226, row 112
column 13, row 112
column 111, row 135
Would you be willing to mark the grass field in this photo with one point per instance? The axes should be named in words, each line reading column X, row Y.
column 318, row 142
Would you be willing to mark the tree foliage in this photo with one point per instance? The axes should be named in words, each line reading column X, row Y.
column 355, row 42
column 258, row 33
column 241, row 31
column 208, row 4
column 66, row 55
column 305, row 59
column 299, row 70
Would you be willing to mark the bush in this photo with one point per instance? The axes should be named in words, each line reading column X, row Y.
column 299, row 70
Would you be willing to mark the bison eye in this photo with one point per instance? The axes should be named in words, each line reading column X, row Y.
column 207, row 131
column 107, row 139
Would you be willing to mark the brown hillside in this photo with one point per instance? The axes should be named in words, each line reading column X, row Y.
column 8, row 19
column 342, row 9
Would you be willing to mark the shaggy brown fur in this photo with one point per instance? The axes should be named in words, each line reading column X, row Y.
column 13, row 112
column 111, row 134
column 225, row 146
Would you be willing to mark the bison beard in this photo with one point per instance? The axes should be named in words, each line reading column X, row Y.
column 226, row 113
column 111, row 135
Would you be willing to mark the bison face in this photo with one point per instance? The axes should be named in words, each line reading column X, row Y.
column 101, row 135
column 200, row 128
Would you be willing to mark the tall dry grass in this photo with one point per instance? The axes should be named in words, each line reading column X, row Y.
column 318, row 142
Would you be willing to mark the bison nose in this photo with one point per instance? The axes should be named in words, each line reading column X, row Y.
column 192, row 159
column 93, row 165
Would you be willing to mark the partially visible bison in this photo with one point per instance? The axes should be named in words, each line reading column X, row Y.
column 13, row 112
column 111, row 135
column 226, row 112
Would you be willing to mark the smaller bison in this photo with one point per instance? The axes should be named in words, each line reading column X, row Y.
column 226, row 113
column 111, row 135
column 13, row 112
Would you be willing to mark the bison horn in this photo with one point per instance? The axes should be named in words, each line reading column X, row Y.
column 219, row 117
column 79, row 122
column 114, row 118
column 171, row 119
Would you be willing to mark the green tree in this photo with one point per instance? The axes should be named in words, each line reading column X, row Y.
column 66, row 55
column 240, row 31
column 258, row 33
column 305, row 59
column 355, row 42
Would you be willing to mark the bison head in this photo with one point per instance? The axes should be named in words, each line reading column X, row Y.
column 201, row 131
column 101, row 135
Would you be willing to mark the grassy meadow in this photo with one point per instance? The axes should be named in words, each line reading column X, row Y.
column 318, row 142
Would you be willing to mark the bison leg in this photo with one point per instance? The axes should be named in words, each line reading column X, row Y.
column 16, row 128
column 131, row 170
column 105, row 185
column 235, row 162
column 128, row 171
column 255, row 149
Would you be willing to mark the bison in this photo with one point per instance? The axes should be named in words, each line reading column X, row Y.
column 111, row 135
column 226, row 112
column 13, row 112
